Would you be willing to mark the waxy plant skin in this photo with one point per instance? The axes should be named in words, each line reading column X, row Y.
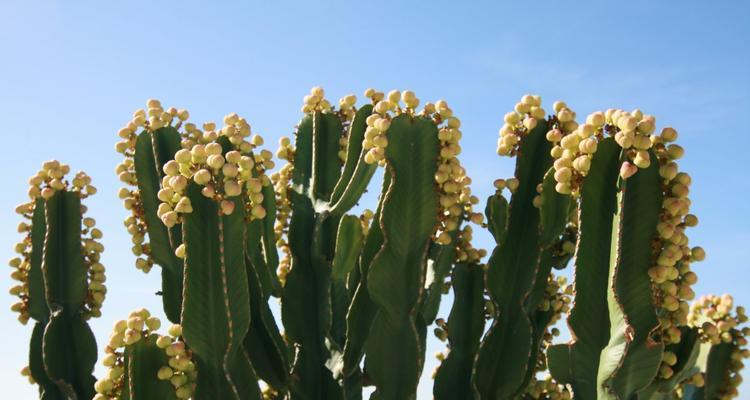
column 229, row 230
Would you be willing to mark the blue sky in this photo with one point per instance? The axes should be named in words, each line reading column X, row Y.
column 71, row 73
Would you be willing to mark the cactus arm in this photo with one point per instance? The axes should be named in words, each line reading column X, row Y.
column 559, row 361
column 264, row 345
column 440, row 265
column 303, row 154
column 362, row 309
column 69, row 350
column 69, row 347
column 716, row 359
column 396, row 276
column 38, row 308
column 553, row 212
column 357, row 173
column 143, row 360
column 305, row 307
column 64, row 272
column 465, row 327
column 255, row 231
column 268, row 242
column 512, row 269
column 327, row 130
column 47, row 389
column 348, row 247
column 497, row 217
column 687, row 352
column 152, row 150
column 598, row 204
column 632, row 357
column 216, row 311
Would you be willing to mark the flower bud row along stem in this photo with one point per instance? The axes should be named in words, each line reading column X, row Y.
column 718, row 322
column 48, row 181
column 180, row 370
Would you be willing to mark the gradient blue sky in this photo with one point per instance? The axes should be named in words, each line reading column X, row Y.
column 71, row 73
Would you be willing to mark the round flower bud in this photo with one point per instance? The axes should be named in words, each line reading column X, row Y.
column 232, row 188
column 180, row 251
column 698, row 254
column 215, row 161
column 227, row 207
column 175, row 330
column 642, row 159
column 668, row 134
column 164, row 373
column 163, row 342
column 627, row 170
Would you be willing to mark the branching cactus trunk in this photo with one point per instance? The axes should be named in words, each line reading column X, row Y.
column 358, row 292
column 60, row 282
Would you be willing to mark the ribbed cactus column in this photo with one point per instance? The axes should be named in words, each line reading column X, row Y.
column 526, row 231
column 634, row 223
column 148, row 142
column 60, row 282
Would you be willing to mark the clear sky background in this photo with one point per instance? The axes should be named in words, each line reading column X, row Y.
column 71, row 73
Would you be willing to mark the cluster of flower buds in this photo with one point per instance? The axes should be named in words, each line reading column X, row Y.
column 511, row 184
column 465, row 252
column 42, row 186
column 346, row 107
column 547, row 389
column 282, row 181
column 239, row 172
column 223, row 176
column 92, row 249
column 155, row 117
column 632, row 131
column 557, row 297
column 376, row 140
column 717, row 323
column 671, row 274
column 315, row 101
column 140, row 325
column 180, row 370
column 346, row 114
column 518, row 123
column 574, row 146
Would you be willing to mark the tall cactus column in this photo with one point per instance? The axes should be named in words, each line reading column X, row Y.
column 525, row 230
column 61, row 282
column 148, row 142
column 634, row 223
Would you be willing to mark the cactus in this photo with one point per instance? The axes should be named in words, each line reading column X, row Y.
column 60, row 282
column 359, row 291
